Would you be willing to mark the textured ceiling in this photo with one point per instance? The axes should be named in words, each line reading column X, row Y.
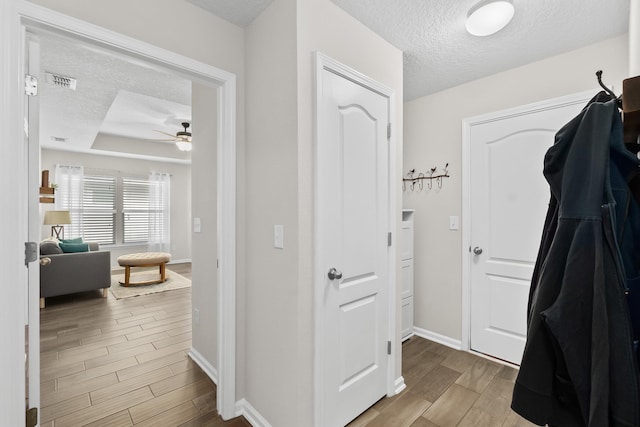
column 439, row 53
column 113, row 96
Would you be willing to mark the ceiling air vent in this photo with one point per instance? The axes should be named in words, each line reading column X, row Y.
column 58, row 139
column 61, row 81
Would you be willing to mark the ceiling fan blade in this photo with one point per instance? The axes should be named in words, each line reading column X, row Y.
column 165, row 133
column 165, row 140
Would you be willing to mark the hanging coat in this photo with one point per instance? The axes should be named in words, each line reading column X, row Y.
column 580, row 363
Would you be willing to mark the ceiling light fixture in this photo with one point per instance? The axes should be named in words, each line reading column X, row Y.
column 489, row 16
column 184, row 145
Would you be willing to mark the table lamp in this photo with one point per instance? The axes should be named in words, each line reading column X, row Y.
column 54, row 219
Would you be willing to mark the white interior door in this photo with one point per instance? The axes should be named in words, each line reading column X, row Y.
column 508, row 203
column 352, row 234
column 33, row 160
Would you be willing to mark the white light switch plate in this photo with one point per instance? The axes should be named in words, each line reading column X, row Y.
column 197, row 225
column 278, row 236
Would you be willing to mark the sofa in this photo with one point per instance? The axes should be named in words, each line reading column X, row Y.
column 73, row 272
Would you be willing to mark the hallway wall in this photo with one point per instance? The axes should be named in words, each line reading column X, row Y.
column 433, row 137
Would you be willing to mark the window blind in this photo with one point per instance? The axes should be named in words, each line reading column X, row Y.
column 99, row 209
column 135, row 210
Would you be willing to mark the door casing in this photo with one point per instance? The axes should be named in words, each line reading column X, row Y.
column 394, row 386
column 23, row 14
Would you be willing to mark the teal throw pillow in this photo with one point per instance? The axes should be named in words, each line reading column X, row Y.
column 74, row 247
column 76, row 240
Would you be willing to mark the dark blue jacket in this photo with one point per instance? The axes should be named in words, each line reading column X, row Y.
column 580, row 366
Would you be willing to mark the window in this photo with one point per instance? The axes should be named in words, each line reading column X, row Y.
column 98, row 212
column 116, row 209
column 135, row 210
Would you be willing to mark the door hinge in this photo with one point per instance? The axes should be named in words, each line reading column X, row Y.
column 388, row 130
column 389, row 239
column 31, row 417
column 30, row 252
column 389, row 347
column 30, row 85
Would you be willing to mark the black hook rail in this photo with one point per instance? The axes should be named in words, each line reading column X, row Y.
column 429, row 176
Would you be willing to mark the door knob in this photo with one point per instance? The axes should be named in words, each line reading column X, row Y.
column 477, row 250
column 334, row 274
column 45, row 261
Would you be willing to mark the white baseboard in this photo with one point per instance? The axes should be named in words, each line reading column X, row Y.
column 204, row 364
column 179, row 261
column 399, row 385
column 440, row 339
column 245, row 409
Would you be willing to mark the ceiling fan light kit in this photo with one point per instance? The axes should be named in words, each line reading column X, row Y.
column 489, row 16
column 184, row 145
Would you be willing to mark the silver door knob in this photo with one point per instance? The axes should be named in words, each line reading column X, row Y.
column 45, row 261
column 334, row 274
column 477, row 250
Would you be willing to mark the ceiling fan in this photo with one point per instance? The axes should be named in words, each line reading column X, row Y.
column 181, row 138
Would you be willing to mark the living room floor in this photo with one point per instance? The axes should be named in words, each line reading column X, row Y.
column 123, row 362
column 108, row 362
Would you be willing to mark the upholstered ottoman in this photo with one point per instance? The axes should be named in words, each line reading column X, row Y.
column 145, row 259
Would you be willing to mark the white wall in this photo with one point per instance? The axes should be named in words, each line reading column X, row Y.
column 271, row 372
column 204, row 205
column 180, row 212
column 433, row 137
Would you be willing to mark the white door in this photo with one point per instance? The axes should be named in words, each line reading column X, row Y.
column 33, row 271
column 508, row 203
column 352, row 215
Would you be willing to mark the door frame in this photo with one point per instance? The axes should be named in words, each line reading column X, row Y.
column 23, row 14
column 324, row 62
column 467, row 124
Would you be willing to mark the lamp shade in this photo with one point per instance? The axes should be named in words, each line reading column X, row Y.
column 57, row 217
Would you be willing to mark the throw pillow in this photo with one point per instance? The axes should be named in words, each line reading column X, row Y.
column 74, row 247
column 49, row 248
column 76, row 240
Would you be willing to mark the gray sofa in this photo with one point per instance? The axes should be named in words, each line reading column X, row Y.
column 69, row 273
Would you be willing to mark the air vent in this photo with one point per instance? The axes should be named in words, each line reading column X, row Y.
column 61, row 81
column 58, row 139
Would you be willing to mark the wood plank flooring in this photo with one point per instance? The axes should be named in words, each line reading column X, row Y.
column 446, row 388
column 108, row 362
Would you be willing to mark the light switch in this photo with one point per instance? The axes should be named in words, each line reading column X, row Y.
column 454, row 223
column 278, row 236
column 197, row 225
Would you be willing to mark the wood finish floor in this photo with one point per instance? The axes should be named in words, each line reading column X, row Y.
column 108, row 362
column 447, row 388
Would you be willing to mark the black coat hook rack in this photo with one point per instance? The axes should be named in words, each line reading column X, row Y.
column 429, row 176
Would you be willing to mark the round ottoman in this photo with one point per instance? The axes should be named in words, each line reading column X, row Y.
column 144, row 259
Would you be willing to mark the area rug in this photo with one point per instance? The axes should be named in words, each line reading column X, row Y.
column 174, row 281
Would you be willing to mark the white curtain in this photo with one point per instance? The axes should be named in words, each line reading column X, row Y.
column 68, row 196
column 159, row 218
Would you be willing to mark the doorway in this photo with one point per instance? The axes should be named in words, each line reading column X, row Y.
column 505, row 197
column 34, row 17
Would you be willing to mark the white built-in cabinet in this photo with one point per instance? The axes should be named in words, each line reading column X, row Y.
column 406, row 266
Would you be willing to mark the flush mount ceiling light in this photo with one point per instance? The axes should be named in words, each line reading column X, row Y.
column 489, row 16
